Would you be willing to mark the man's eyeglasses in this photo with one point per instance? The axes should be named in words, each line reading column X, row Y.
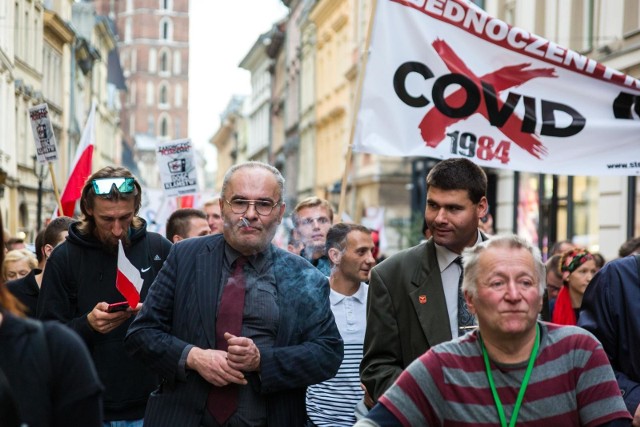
column 263, row 207
column 322, row 220
column 104, row 186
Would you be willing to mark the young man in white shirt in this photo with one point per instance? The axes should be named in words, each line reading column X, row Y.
column 350, row 251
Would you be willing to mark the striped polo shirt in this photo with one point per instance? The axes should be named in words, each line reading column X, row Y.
column 572, row 384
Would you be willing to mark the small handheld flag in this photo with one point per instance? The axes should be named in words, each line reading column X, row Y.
column 128, row 280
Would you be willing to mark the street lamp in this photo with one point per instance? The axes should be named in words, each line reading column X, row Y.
column 40, row 171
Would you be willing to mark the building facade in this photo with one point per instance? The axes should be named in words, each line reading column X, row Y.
column 260, row 65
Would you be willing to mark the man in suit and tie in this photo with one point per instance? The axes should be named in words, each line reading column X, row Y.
column 220, row 369
column 414, row 297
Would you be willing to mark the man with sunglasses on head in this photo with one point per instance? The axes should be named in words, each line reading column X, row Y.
column 236, row 327
column 313, row 218
column 79, row 283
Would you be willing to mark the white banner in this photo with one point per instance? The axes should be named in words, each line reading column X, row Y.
column 444, row 79
column 177, row 167
column 45, row 139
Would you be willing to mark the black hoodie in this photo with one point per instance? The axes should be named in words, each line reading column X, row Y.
column 80, row 273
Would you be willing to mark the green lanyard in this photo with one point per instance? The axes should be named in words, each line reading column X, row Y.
column 523, row 387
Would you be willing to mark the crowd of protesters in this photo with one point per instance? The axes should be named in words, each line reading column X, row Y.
column 466, row 328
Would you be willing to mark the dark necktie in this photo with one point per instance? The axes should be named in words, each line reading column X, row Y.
column 223, row 401
column 465, row 318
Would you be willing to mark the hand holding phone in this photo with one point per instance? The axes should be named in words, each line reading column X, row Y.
column 117, row 306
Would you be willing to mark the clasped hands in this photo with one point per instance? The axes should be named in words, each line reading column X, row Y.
column 220, row 367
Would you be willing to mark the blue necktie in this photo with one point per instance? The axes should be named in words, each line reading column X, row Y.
column 465, row 318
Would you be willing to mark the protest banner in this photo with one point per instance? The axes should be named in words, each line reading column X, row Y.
column 177, row 167
column 445, row 79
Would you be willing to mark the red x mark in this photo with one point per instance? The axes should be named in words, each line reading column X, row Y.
column 434, row 124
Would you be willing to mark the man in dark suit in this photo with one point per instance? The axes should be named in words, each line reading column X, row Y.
column 414, row 295
column 288, row 337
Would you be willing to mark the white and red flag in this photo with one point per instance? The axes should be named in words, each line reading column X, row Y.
column 81, row 168
column 128, row 280
column 445, row 79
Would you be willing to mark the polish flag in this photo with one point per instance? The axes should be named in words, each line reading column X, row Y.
column 128, row 280
column 81, row 168
column 186, row 201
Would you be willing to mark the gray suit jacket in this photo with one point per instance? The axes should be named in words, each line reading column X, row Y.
column 406, row 315
column 180, row 311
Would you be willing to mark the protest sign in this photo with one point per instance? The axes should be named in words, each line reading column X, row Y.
column 177, row 167
column 45, row 139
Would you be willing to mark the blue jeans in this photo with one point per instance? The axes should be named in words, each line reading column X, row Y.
column 125, row 423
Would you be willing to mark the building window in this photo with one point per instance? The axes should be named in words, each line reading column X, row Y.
column 631, row 22
column 128, row 30
column 164, row 61
column 164, row 127
column 150, row 124
column 510, row 12
column 166, row 29
column 585, row 212
column 150, row 96
column 24, row 216
column 177, row 127
column 163, row 94
column 25, row 36
column 177, row 63
column 132, row 94
column 165, row 5
column 129, row 5
column 581, row 26
column 153, row 59
column 16, row 31
column 178, row 95
column 134, row 60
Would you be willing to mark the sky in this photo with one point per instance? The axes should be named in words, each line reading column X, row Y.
column 221, row 33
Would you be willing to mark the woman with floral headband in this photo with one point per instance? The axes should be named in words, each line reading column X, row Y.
column 577, row 267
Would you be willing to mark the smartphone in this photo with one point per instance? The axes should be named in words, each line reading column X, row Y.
column 118, row 306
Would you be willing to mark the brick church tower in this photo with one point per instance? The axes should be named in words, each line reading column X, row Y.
column 153, row 44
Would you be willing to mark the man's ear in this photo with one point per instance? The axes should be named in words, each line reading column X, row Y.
column 469, row 299
column 335, row 255
column 46, row 250
column 483, row 207
column 176, row 238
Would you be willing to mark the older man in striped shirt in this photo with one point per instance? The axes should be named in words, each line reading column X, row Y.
column 514, row 369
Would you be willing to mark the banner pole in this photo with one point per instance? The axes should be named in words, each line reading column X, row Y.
column 354, row 111
column 55, row 188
